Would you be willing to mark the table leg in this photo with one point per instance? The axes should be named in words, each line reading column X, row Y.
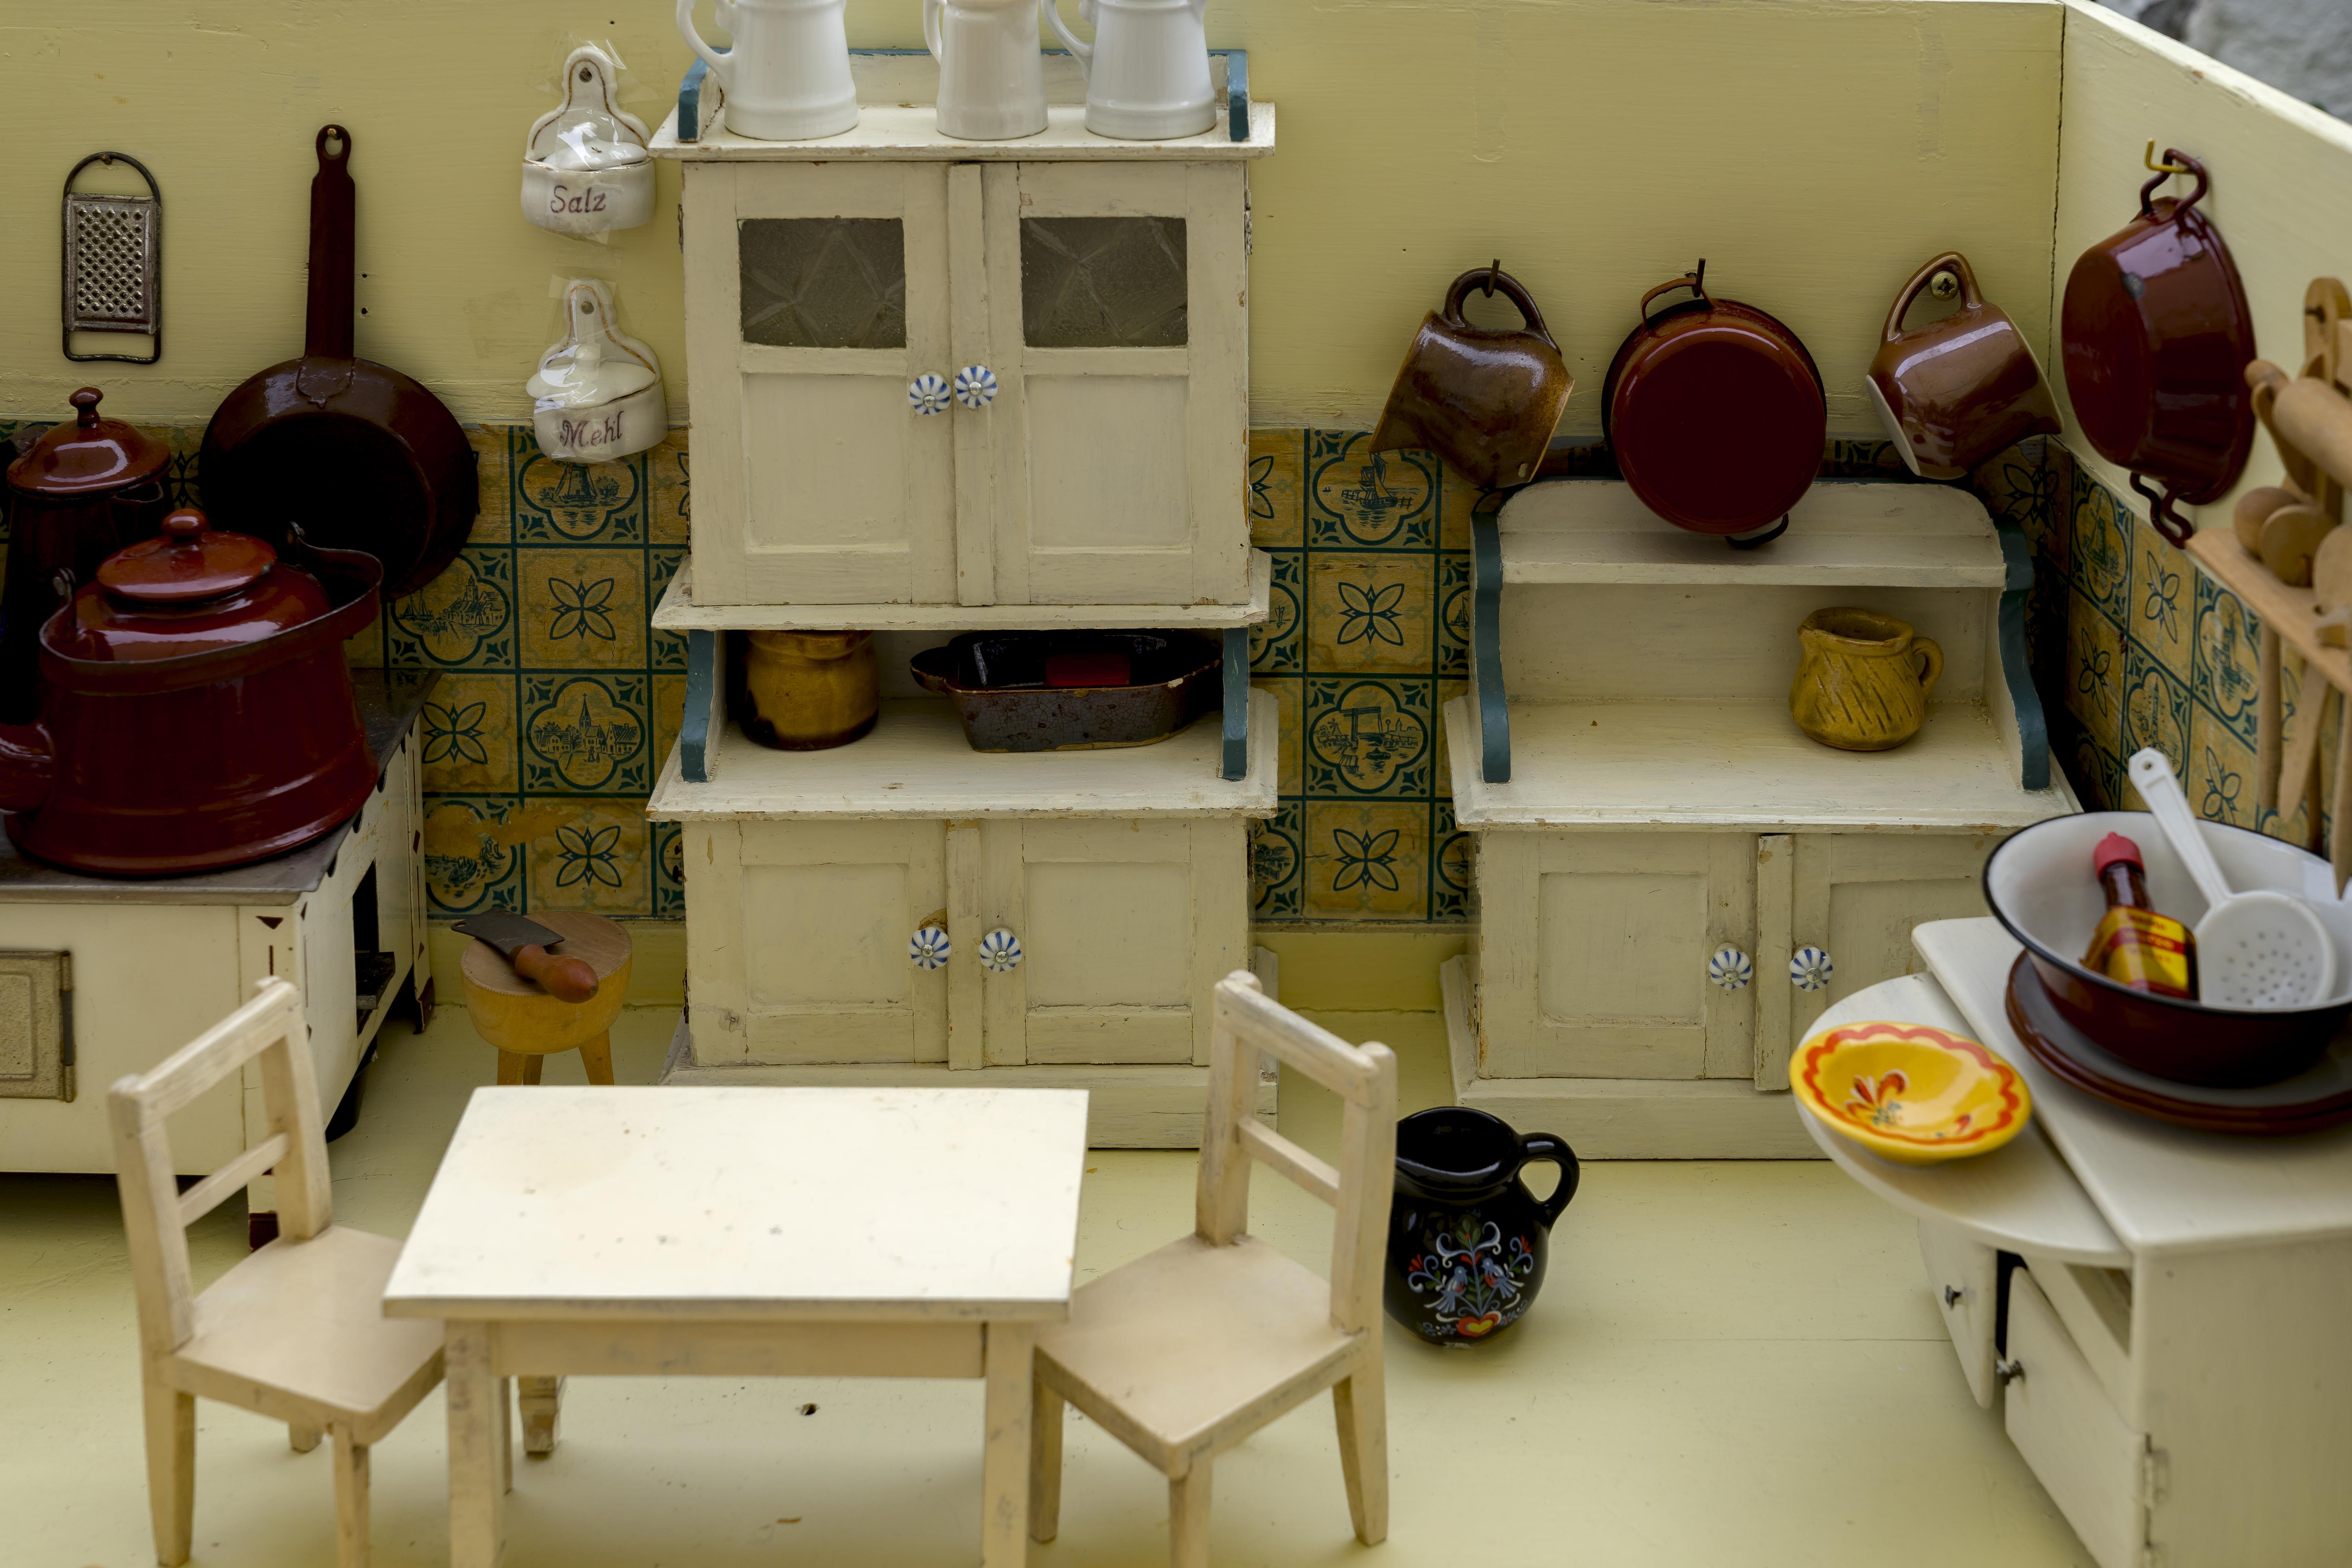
column 1004, row 1460
column 543, row 1409
column 597, row 1058
column 476, row 1412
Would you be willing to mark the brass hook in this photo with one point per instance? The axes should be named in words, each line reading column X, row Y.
column 2154, row 167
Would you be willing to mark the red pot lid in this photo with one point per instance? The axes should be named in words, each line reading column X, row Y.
column 188, row 561
column 91, row 454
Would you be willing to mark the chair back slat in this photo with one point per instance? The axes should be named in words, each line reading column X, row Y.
column 155, row 1215
column 1247, row 1022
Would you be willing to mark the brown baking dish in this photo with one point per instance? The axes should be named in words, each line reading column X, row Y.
column 1020, row 691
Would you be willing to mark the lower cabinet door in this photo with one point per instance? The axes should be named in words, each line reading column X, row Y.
column 1966, row 1278
column 2084, row 1455
column 1123, row 928
column 1857, row 896
column 1594, row 951
column 798, row 942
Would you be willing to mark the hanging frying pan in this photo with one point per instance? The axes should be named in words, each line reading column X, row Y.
column 1714, row 411
column 2156, row 337
column 359, row 455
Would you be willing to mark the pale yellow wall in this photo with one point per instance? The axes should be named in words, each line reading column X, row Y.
column 1813, row 151
column 2280, row 196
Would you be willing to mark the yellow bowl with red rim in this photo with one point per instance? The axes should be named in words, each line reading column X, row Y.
column 1910, row 1092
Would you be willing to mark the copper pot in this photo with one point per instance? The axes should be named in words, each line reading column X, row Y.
column 1485, row 399
column 196, row 710
column 1957, row 391
column 2157, row 338
column 85, row 490
column 1715, row 414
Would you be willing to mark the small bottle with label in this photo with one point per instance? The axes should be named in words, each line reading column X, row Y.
column 2134, row 945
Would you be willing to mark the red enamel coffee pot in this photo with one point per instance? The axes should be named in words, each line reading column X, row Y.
column 196, row 708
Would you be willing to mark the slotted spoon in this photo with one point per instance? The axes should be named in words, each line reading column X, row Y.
column 2261, row 951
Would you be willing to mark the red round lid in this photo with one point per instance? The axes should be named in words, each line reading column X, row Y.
column 188, row 561
column 89, row 453
column 1716, row 417
column 2113, row 847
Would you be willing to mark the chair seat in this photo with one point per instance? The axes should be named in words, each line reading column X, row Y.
column 1185, row 1351
column 297, row 1332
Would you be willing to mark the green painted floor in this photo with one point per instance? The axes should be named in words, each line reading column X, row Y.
column 1733, row 1365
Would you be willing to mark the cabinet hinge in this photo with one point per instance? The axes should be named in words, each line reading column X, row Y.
column 2155, row 1476
column 1249, row 224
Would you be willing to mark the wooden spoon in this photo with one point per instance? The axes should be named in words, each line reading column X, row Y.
column 2290, row 537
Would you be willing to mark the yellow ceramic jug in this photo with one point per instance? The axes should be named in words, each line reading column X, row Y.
column 1863, row 679
column 807, row 691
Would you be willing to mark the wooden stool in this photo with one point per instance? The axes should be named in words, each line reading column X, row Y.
column 526, row 1024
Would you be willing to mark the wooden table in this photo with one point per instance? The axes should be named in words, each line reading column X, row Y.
column 743, row 1232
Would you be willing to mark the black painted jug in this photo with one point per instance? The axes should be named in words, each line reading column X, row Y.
column 1467, row 1241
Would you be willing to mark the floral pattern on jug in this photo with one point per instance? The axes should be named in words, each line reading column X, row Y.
column 1476, row 1289
column 1467, row 1241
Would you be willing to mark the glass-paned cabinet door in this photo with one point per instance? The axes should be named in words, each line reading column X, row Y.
column 817, row 352
column 1118, row 330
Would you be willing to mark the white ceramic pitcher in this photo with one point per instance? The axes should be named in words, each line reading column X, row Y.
column 1147, row 69
column 787, row 77
column 991, row 74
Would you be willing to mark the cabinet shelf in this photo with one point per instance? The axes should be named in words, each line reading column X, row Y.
column 901, row 132
column 1859, row 533
column 917, row 764
column 677, row 611
column 1698, row 764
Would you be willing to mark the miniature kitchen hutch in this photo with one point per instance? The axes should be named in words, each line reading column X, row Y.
column 895, row 430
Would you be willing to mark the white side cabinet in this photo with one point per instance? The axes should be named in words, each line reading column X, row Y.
column 906, row 911
column 2156, row 1313
column 155, row 963
column 1672, row 880
column 933, row 372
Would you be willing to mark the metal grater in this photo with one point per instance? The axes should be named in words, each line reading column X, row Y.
column 113, row 273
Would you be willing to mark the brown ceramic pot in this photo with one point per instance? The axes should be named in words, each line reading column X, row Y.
column 2156, row 339
column 1485, row 399
column 1715, row 414
column 1958, row 391
column 808, row 691
column 197, row 711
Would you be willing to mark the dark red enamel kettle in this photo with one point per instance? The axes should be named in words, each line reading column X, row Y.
column 196, row 710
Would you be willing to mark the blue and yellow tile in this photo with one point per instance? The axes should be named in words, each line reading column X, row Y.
column 1441, row 782
column 469, row 731
column 2163, row 601
column 1370, row 736
column 1278, row 860
column 1453, row 598
column 1450, row 877
column 2226, row 673
column 1358, row 499
column 670, row 869
column 590, row 855
column 2219, row 781
column 1278, row 646
column 575, row 503
column 582, row 609
column 2094, row 670
column 1370, row 610
column 587, row 734
column 666, row 649
column 670, row 514
column 670, row 710
column 2100, row 545
column 2156, row 709
column 471, row 862
column 1274, row 492
column 464, row 618
column 1368, row 861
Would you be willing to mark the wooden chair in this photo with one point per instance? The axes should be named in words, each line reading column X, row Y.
column 1184, row 1353
column 295, row 1331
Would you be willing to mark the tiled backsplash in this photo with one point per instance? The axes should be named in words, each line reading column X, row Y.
column 558, row 701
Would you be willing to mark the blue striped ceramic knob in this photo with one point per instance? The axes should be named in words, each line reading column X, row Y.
column 929, row 948
column 1730, row 968
column 928, row 394
column 975, row 386
column 999, row 952
column 1810, row 969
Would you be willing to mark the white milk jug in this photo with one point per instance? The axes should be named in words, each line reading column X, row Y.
column 1147, row 69
column 991, row 74
column 787, row 77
